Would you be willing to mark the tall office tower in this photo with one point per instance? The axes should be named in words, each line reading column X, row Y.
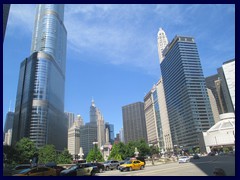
column 134, row 123
column 74, row 140
column 153, row 119
column 157, row 123
column 94, row 131
column 39, row 108
column 166, row 132
column 188, row 105
column 117, row 138
column 110, row 128
column 227, row 78
column 121, row 134
column 8, row 138
column 222, row 106
column 88, row 136
column 213, row 83
column 70, row 117
column 79, row 121
column 6, row 8
column 93, row 112
column 100, row 129
column 8, row 121
column 162, row 43
column 213, row 106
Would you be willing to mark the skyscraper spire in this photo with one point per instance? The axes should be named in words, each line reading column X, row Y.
column 93, row 104
column 162, row 43
column 9, row 109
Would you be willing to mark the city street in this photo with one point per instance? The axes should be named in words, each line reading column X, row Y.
column 197, row 167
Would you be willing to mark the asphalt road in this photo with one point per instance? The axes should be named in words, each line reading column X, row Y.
column 196, row 167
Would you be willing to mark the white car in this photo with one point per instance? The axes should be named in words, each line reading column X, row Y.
column 184, row 159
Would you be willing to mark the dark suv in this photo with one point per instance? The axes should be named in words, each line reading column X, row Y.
column 111, row 164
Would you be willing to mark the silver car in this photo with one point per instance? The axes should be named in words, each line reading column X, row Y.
column 184, row 159
column 111, row 164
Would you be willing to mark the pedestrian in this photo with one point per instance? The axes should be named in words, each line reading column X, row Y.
column 219, row 172
column 34, row 162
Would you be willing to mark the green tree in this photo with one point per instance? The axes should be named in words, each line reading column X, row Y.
column 10, row 155
column 47, row 154
column 143, row 148
column 26, row 150
column 122, row 149
column 130, row 149
column 154, row 150
column 64, row 158
column 95, row 155
column 116, row 152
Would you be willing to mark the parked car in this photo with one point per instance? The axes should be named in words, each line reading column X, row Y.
column 111, row 164
column 211, row 154
column 196, row 156
column 54, row 166
column 183, row 159
column 133, row 158
column 71, row 171
column 124, row 161
column 83, row 169
column 131, row 165
column 19, row 168
column 141, row 159
column 37, row 171
column 100, row 166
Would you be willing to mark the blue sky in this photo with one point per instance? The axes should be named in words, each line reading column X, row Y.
column 112, row 50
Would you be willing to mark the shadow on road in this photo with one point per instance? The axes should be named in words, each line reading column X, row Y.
column 208, row 164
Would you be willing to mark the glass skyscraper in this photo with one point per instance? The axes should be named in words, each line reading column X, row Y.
column 188, row 105
column 111, row 132
column 39, row 108
column 6, row 8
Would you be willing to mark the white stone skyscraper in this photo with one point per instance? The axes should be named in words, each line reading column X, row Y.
column 162, row 43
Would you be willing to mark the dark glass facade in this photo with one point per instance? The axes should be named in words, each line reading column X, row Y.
column 39, row 109
column 88, row 135
column 111, row 132
column 6, row 8
column 224, row 92
column 211, row 83
column 9, row 121
column 188, row 105
column 134, row 123
column 158, row 120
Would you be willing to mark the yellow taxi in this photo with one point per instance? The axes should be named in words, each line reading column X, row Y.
column 131, row 165
column 37, row 171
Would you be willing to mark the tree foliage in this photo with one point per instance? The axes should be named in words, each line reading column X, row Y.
column 143, row 148
column 26, row 149
column 128, row 150
column 47, row 154
column 10, row 155
column 153, row 150
column 64, row 158
column 116, row 152
column 95, row 155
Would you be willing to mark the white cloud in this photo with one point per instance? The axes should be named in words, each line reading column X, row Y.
column 115, row 34
column 21, row 17
column 126, row 34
